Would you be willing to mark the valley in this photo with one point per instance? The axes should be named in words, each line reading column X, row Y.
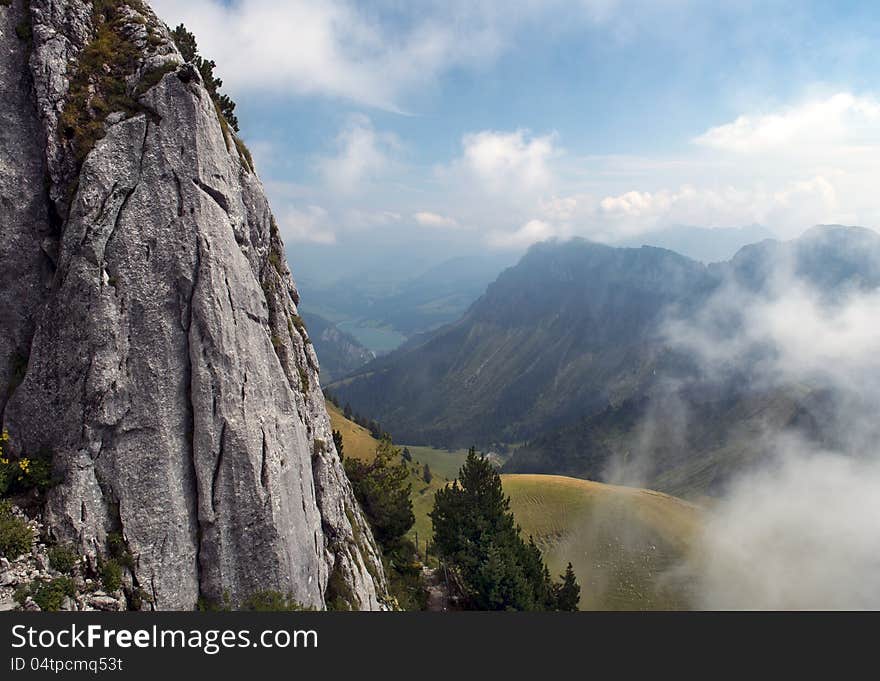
column 625, row 394
column 604, row 363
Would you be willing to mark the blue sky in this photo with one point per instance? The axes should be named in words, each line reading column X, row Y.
column 426, row 129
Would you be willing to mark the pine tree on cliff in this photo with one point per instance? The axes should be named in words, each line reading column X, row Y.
column 189, row 50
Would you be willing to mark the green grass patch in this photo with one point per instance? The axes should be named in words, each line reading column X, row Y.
column 16, row 536
column 98, row 86
column 48, row 595
column 63, row 558
column 272, row 601
column 152, row 77
column 111, row 575
column 244, row 154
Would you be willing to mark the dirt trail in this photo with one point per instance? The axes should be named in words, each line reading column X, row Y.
column 438, row 594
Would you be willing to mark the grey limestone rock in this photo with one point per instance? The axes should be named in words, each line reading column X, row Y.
column 167, row 369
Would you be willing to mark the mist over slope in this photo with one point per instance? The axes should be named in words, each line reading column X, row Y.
column 747, row 344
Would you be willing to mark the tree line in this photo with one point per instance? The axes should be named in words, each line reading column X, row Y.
column 474, row 533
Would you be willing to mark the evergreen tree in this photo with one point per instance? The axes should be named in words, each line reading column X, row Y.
column 347, row 411
column 407, row 455
column 382, row 489
column 568, row 594
column 474, row 529
column 427, row 476
column 189, row 50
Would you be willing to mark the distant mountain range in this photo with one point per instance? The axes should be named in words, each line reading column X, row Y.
column 382, row 308
column 706, row 244
column 560, row 334
column 564, row 361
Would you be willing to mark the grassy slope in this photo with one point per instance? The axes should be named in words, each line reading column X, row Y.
column 625, row 543
column 360, row 444
column 357, row 441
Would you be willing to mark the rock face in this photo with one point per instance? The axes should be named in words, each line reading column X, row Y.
column 167, row 370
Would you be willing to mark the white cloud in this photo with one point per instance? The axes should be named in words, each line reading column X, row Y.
column 509, row 161
column 428, row 219
column 310, row 225
column 807, row 164
column 790, row 208
column 368, row 219
column 803, row 534
column 334, row 48
column 837, row 119
column 818, row 162
column 378, row 53
column 362, row 154
column 530, row 233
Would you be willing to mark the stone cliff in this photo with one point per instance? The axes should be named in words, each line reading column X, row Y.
column 150, row 339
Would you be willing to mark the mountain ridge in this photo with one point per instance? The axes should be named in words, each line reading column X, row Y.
column 578, row 329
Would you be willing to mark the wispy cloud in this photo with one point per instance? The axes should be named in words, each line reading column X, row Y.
column 428, row 219
column 531, row 232
column 362, row 154
column 377, row 54
column 840, row 119
column 332, row 48
column 310, row 225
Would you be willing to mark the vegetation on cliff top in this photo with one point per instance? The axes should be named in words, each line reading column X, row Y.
column 189, row 50
column 98, row 86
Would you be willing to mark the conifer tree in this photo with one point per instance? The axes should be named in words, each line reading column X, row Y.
column 189, row 50
column 568, row 594
column 382, row 489
column 474, row 530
